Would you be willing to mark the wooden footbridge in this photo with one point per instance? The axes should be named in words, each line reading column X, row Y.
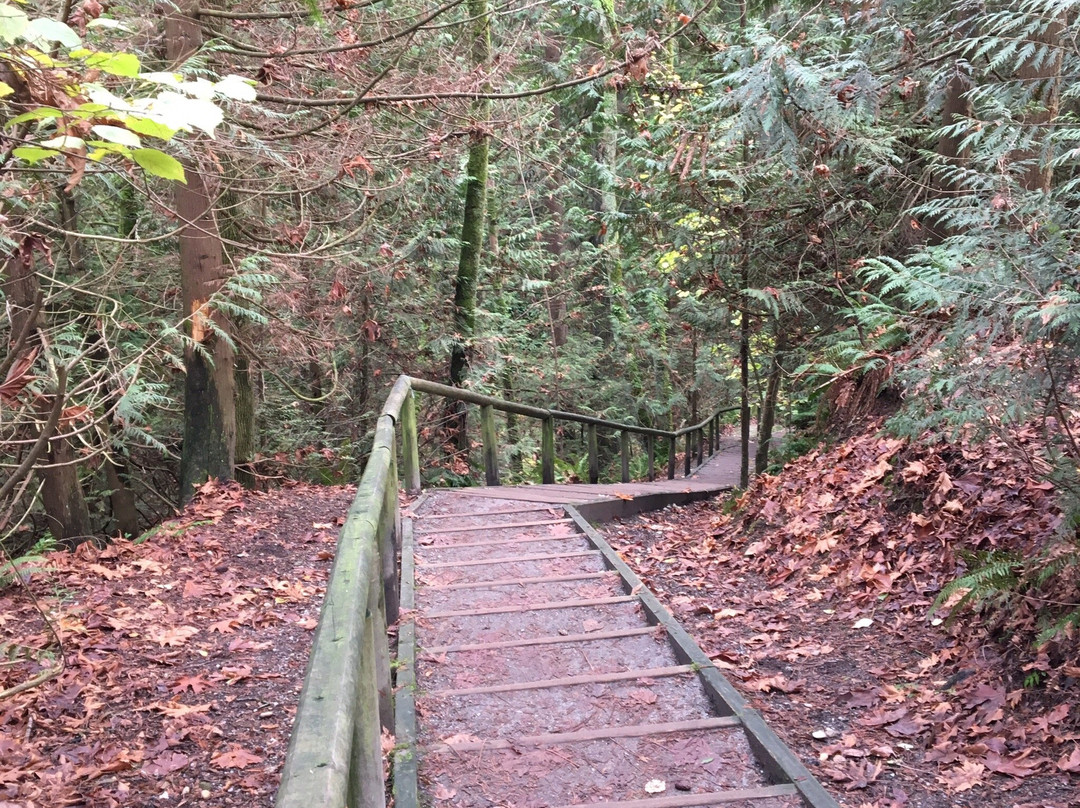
column 534, row 669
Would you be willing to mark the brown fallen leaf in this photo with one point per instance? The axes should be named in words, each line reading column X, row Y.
column 235, row 757
column 166, row 763
column 964, row 777
column 1070, row 763
column 175, row 636
column 441, row 792
column 643, row 695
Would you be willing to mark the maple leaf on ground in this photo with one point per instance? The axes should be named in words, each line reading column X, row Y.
column 1070, row 763
column 965, row 776
column 1015, row 767
column 643, row 695
column 196, row 684
column 778, row 683
column 166, row 763
column 175, row 709
column 175, row 636
column 235, row 757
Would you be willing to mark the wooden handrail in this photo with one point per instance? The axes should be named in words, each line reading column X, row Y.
column 334, row 758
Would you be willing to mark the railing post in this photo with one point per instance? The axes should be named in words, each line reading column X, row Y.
column 712, row 435
column 650, row 449
column 594, row 456
column 671, row 458
column 367, row 789
column 491, row 446
column 699, row 439
column 547, row 451
column 389, row 538
column 688, row 458
column 624, row 453
column 410, row 447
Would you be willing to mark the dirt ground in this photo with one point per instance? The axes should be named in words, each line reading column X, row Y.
column 890, row 713
column 184, row 656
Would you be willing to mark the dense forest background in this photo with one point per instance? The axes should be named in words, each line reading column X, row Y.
column 228, row 226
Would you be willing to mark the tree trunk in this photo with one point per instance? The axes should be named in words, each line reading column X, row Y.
column 956, row 109
column 607, row 155
column 245, row 422
column 768, row 408
column 209, row 406
column 61, row 493
column 555, row 236
column 1044, row 75
column 473, row 221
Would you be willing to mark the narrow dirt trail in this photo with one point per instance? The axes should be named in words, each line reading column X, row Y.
column 543, row 679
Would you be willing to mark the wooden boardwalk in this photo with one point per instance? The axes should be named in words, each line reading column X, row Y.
column 543, row 672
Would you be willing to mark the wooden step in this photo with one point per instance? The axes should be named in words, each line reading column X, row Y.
column 534, row 607
column 569, row 681
column 692, row 800
column 437, row 650
column 506, row 559
column 494, row 542
column 505, row 526
column 603, row 733
column 473, row 515
column 543, row 579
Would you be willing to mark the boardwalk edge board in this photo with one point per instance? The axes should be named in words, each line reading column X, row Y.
column 777, row 759
column 405, row 764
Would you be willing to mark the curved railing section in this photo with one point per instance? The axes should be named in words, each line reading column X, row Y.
column 335, row 754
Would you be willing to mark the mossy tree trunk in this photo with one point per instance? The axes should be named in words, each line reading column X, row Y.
column 474, row 219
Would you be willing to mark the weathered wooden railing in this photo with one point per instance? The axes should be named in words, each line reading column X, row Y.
column 335, row 752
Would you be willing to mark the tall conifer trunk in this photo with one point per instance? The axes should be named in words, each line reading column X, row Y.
column 209, row 406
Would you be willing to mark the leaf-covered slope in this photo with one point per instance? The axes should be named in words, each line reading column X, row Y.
column 815, row 594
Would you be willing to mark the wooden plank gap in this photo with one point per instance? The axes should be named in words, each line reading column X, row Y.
column 569, row 681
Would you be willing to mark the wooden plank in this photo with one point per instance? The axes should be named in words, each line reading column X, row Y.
column 534, row 607
column 497, row 542
column 569, row 681
column 604, row 733
column 692, row 800
column 773, row 755
column 523, row 494
column 507, row 559
column 594, row 456
column 405, row 774
column 547, row 451
column 471, row 514
column 490, row 443
column 552, row 640
column 543, row 579
column 410, row 447
column 624, row 456
column 506, row 526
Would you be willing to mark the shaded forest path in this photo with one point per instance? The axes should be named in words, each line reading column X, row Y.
column 546, row 674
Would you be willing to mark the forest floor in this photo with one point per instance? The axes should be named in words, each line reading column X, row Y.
column 814, row 597
column 184, row 656
column 185, row 652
